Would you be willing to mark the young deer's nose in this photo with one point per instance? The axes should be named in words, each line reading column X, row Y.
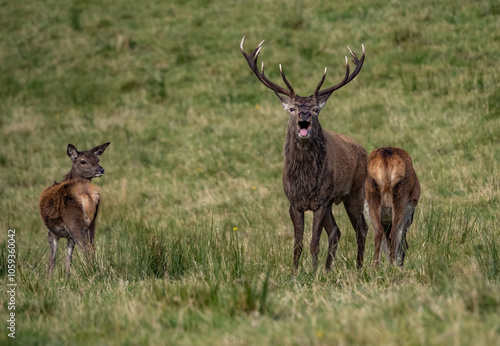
column 304, row 115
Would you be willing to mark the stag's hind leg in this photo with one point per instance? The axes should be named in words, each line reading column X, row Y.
column 53, row 240
column 334, row 233
column 354, row 206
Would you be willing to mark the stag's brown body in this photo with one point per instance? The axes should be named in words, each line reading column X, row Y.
column 392, row 193
column 69, row 209
column 321, row 167
column 339, row 172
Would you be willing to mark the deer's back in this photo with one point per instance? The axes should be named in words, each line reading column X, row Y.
column 76, row 198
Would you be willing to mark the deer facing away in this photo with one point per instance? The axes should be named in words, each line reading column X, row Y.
column 321, row 167
column 69, row 209
column 392, row 193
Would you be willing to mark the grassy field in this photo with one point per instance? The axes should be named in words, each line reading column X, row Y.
column 194, row 241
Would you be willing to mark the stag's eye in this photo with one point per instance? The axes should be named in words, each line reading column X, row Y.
column 292, row 109
column 83, row 162
column 315, row 110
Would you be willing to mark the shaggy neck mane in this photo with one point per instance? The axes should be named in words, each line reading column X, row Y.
column 304, row 159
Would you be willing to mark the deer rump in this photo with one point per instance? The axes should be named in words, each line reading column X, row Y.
column 71, row 201
column 392, row 179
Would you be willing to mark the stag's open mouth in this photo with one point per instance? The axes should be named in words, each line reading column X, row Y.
column 304, row 128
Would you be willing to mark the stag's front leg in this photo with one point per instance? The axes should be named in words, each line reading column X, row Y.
column 298, row 227
column 318, row 221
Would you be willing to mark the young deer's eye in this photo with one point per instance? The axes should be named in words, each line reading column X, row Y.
column 83, row 162
column 315, row 110
column 292, row 109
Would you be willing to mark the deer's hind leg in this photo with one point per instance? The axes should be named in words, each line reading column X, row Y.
column 405, row 225
column 333, row 232
column 53, row 240
column 79, row 232
column 354, row 205
column 69, row 255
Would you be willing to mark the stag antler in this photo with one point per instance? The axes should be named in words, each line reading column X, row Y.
column 252, row 62
column 347, row 78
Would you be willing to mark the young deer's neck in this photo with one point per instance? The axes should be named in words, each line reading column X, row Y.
column 74, row 175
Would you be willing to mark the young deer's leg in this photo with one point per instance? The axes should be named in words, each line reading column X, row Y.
column 298, row 227
column 80, row 235
column 385, row 241
column 405, row 225
column 374, row 202
column 354, row 206
column 333, row 232
column 52, row 239
column 69, row 254
column 395, row 235
column 318, row 221
column 378, row 228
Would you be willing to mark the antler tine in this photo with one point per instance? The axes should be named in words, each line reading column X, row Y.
column 286, row 81
column 320, row 82
column 252, row 63
column 241, row 44
column 347, row 78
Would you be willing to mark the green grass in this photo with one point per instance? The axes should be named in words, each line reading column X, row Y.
column 194, row 241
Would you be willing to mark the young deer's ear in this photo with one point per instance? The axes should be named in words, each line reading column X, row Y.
column 99, row 149
column 72, row 152
column 285, row 100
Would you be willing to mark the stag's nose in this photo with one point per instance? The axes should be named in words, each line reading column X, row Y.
column 304, row 116
column 101, row 170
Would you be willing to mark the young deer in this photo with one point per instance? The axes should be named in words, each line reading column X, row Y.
column 321, row 167
column 69, row 209
column 392, row 193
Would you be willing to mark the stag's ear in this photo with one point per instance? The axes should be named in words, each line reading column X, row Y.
column 99, row 149
column 72, row 152
column 322, row 100
column 285, row 100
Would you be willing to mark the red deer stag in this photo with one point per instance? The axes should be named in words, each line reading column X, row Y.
column 69, row 209
column 321, row 167
column 392, row 193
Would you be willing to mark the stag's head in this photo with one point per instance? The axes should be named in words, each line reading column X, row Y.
column 303, row 111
